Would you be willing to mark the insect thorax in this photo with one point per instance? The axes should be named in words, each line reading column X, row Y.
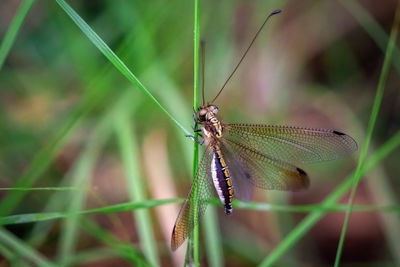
column 212, row 128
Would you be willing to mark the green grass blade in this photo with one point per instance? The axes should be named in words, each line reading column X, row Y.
column 13, row 29
column 212, row 238
column 196, row 54
column 7, row 253
column 68, row 188
column 301, row 229
column 89, row 256
column 371, row 126
column 39, row 164
column 113, row 58
column 45, row 216
column 31, row 217
column 310, row 208
column 43, row 159
column 133, row 206
column 136, row 187
column 196, row 39
column 81, row 178
column 372, row 27
column 125, row 250
column 56, row 202
column 22, row 249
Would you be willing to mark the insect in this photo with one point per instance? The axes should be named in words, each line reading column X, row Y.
column 240, row 156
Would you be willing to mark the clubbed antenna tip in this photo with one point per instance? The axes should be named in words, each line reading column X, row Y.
column 276, row 12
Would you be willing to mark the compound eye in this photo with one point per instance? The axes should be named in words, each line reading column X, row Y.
column 214, row 109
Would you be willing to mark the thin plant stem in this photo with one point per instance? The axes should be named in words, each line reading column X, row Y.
column 22, row 249
column 371, row 125
column 195, row 145
column 13, row 29
column 113, row 58
column 372, row 27
column 67, row 188
column 147, row 204
column 305, row 225
column 136, row 187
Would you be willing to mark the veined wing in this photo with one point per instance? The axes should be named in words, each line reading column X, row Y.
column 264, row 171
column 242, row 185
column 202, row 186
column 291, row 144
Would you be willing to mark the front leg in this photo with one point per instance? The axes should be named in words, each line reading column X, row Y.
column 196, row 139
column 195, row 122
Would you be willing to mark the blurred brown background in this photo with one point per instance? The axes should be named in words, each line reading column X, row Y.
column 70, row 119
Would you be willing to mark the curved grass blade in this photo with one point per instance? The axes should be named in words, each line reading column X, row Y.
column 311, row 208
column 22, row 249
column 13, row 29
column 136, row 187
column 7, row 253
column 41, row 230
column 37, row 217
column 81, row 174
column 39, row 164
column 307, row 223
column 125, row 250
column 212, row 238
column 371, row 126
column 67, row 188
column 113, row 58
column 372, row 27
column 45, row 216
column 45, row 156
column 92, row 255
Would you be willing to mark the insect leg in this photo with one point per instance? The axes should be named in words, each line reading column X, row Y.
column 195, row 122
column 195, row 139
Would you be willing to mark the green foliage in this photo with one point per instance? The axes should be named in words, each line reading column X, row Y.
column 371, row 126
column 86, row 163
column 13, row 29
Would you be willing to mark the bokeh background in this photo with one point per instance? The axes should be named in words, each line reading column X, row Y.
column 78, row 135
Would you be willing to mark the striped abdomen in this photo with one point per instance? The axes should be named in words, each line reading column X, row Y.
column 222, row 180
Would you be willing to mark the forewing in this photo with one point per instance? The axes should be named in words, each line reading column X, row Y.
column 202, row 186
column 264, row 171
column 292, row 144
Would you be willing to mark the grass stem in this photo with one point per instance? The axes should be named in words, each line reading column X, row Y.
column 371, row 126
column 306, row 224
column 195, row 145
column 13, row 29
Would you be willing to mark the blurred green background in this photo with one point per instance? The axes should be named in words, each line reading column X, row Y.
column 76, row 135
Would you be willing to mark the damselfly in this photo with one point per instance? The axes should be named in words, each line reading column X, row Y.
column 240, row 156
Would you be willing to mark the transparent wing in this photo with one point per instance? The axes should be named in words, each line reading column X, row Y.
column 264, row 171
column 202, row 186
column 292, row 144
column 242, row 185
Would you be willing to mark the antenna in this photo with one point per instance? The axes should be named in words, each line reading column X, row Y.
column 202, row 50
column 245, row 53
